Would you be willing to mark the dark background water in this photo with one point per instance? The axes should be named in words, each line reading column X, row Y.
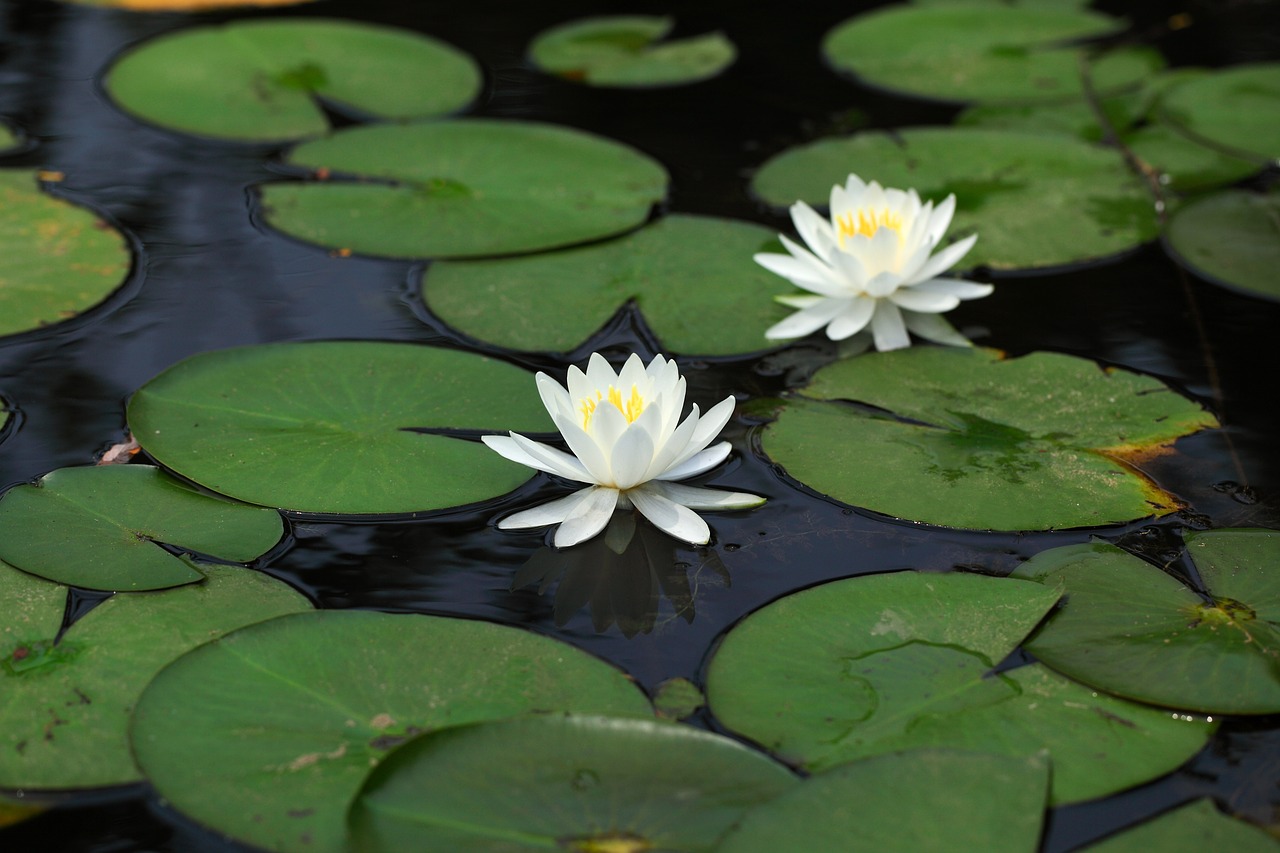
column 208, row 275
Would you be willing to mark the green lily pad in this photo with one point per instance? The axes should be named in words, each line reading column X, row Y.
column 338, row 427
column 563, row 783
column 1230, row 238
column 100, row 528
column 965, row 438
column 1236, row 108
column 688, row 274
column 878, row 664
column 268, row 80
column 56, row 259
column 1134, row 631
column 982, row 52
column 464, row 188
column 620, row 50
column 678, row 699
column 1035, row 200
column 267, row 734
column 1193, row 828
column 923, row 801
column 65, row 706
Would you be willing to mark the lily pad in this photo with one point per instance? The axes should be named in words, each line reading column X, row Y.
column 1193, row 828
column 268, row 734
column 872, row 665
column 1230, row 238
column 691, row 276
column 1236, row 108
column 463, row 189
column 563, row 783
column 270, row 80
column 621, row 50
column 101, row 528
column 966, row 438
column 56, row 259
column 65, row 706
column 339, row 427
column 983, row 52
column 923, row 801
column 1035, row 200
column 1134, row 631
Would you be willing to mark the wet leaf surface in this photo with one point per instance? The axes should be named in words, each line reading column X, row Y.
column 1235, row 108
column 1192, row 828
column 627, row 50
column 1230, row 238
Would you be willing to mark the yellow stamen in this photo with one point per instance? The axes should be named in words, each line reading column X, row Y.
column 630, row 409
column 867, row 223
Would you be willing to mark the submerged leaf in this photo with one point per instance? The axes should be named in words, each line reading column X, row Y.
column 623, row 50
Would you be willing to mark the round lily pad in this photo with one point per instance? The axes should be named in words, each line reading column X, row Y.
column 878, row 664
column 102, row 528
column 680, row 271
column 269, row 80
column 339, row 427
column 982, row 52
column 268, row 734
column 1193, row 828
column 1230, row 238
column 922, row 801
column 623, row 50
column 1132, row 630
column 65, row 706
column 966, row 438
column 563, row 783
column 463, row 189
column 1035, row 200
column 1237, row 108
column 57, row 259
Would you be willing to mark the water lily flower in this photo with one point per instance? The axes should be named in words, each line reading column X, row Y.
column 629, row 444
column 872, row 265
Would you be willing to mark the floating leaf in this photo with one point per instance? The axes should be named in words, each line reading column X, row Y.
column 678, row 699
column 1036, row 200
column 1236, row 108
column 620, row 50
column 464, row 188
column 338, row 427
column 8, row 137
column 1132, row 630
column 982, row 52
column 269, row 80
column 101, row 528
column 913, row 802
column 268, row 734
column 563, row 783
column 1230, row 238
column 877, row 664
column 682, row 271
column 56, row 259
column 65, row 706
column 1193, row 828
column 964, row 438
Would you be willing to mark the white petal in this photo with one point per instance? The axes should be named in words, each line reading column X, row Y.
column 879, row 252
column 887, row 327
column 884, row 283
column 698, row 463
column 551, row 459
column 585, row 448
column 800, row 300
column 800, row 273
column 554, row 397
column 924, row 301
column 665, row 456
column 814, row 230
column 551, row 512
column 940, row 219
column 606, row 425
column 696, row 497
column 946, row 259
column 600, row 374
column 957, row 287
column 588, row 518
column 579, row 387
column 633, row 373
column 671, row 518
column 631, row 457
column 934, row 327
column 853, row 319
column 850, row 269
column 807, row 320
column 708, row 427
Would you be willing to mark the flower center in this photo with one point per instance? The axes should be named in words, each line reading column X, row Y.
column 866, row 222
column 630, row 408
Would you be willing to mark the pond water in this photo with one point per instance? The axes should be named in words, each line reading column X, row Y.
column 209, row 274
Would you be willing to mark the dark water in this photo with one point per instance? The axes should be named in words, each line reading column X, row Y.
column 209, row 275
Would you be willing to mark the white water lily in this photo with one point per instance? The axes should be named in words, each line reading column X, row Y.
column 629, row 444
column 872, row 265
